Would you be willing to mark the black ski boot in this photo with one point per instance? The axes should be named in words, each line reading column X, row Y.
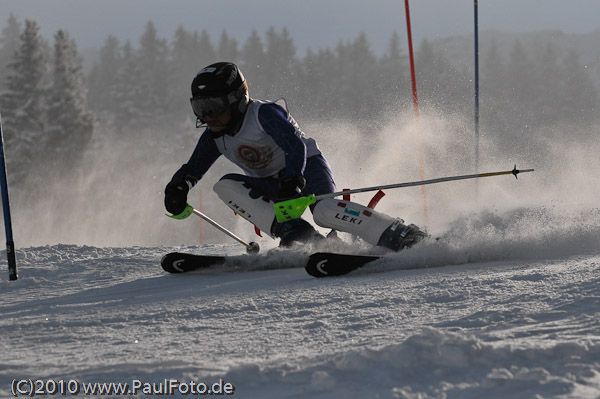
column 399, row 236
column 295, row 231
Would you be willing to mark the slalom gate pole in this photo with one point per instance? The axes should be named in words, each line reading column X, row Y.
column 294, row 208
column 412, row 60
column 416, row 106
column 476, row 44
column 201, row 236
column 251, row 247
column 10, row 244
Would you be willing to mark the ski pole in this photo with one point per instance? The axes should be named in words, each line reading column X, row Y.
column 251, row 247
column 294, row 208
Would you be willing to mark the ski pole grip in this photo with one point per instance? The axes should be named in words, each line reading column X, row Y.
column 183, row 215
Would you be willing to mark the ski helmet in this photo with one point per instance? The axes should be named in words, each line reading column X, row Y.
column 218, row 87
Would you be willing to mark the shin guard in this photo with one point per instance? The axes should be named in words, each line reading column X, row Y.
column 352, row 218
column 257, row 211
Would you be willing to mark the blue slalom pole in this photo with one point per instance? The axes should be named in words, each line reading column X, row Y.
column 10, row 244
column 476, row 87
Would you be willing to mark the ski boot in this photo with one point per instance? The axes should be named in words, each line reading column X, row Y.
column 294, row 232
column 399, row 236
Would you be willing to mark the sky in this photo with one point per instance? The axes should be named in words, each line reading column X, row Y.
column 313, row 24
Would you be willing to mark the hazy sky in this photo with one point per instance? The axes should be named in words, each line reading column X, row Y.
column 312, row 23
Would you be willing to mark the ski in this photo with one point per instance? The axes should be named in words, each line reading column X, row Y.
column 320, row 264
column 328, row 264
column 177, row 262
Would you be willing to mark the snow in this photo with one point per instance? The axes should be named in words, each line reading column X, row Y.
column 504, row 305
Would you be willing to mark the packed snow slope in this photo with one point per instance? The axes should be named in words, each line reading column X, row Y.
column 504, row 305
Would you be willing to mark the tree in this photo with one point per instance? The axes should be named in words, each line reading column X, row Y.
column 69, row 124
column 204, row 52
column 22, row 102
column 317, row 87
column 392, row 82
column 354, row 79
column 548, row 103
column 9, row 43
column 579, row 96
column 440, row 84
column 521, row 76
column 494, row 90
column 493, row 72
column 228, row 49
column 189, row 52
column 280, row 63
column 153, row 77
column 102, row 82
column 253, row 59
column 182, row 68
column 128, row 94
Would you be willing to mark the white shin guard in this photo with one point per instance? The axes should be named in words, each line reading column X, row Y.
column 257, row 211
column 352, row 218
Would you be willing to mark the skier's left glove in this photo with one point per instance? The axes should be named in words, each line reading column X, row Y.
column 290, row 187
column 176, row 196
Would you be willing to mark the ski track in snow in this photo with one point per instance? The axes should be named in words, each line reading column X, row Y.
column 512, row 313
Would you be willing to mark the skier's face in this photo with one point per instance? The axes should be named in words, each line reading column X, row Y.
column 219, row 123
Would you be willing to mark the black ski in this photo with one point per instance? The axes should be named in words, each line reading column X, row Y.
column 328, row 264
column 177, row 262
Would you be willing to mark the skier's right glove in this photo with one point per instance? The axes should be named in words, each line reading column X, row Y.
column 176, row 196
column 290, row 187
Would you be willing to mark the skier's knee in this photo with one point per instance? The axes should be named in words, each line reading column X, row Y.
column 234, row 177
column 225, row 188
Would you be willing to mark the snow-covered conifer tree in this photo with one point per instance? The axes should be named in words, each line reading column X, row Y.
column 22, row 103
column 102, row 80
column 9, row 43
column 69, row 124
column 128, row 92
column 153, row 77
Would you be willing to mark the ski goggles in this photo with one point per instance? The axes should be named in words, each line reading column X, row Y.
column 209, row 106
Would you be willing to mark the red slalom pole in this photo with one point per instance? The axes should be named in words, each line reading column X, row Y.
column 416, row 107
column 201, row 236
column 412, row 60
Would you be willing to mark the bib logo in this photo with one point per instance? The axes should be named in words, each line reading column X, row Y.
column 254, row 157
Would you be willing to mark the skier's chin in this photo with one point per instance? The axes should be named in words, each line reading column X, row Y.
column 216, row 126
column 218, row 130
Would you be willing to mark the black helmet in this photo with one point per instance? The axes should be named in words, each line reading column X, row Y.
column 218, row 87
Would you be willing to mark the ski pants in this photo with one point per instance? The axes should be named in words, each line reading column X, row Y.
column 318, row 175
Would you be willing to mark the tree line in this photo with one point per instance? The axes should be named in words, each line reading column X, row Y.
column 45, row 118
column 50, row 105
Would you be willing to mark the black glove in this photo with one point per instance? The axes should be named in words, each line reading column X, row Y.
column 176, row 196
column 290, row 187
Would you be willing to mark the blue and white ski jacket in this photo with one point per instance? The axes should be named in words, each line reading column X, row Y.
column 268, row 144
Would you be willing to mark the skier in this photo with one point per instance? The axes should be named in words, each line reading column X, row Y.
column 279, row 162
